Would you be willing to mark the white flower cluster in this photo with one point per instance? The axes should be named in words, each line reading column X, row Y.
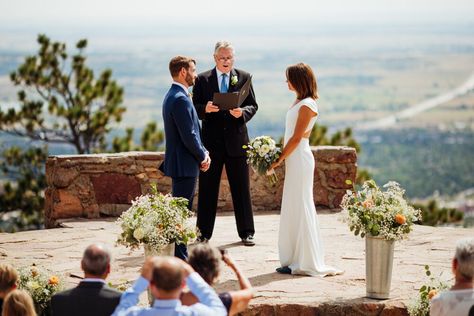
column 374, row 212
column 156, row 220
column 262, row 151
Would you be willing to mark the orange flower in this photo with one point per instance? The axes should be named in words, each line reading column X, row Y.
column 53, row 280
column 432, row 293
column 400, row 219
column 34, row 272
column 368, row 203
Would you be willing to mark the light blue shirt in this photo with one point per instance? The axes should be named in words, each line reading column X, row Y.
column 219, row 78
column 209, row 302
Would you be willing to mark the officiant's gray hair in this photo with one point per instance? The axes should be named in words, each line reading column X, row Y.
column 96, row 259
column 465, row 257
column 223, row 44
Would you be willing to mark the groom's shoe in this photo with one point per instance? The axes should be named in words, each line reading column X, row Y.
column 248, row 241
column 283, row 270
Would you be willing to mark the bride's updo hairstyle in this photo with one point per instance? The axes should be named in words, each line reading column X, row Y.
column 302, row 79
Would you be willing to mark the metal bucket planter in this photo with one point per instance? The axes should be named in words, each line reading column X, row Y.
column 378, row 266
column 149, row 251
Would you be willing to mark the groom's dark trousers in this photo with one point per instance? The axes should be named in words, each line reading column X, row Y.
column 183, row 187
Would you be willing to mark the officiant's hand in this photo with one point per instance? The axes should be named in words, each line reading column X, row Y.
column 237, row 112
column 210, row 107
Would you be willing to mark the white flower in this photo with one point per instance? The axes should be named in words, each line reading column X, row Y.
column 265, row 149
column 138, row 234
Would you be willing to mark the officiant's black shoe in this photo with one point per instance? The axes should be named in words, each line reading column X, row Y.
column 248, row 241
column 283, row 270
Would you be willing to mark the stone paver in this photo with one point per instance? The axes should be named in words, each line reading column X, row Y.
column 60, row 250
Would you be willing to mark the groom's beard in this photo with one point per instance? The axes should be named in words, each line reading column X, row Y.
column 190, row 80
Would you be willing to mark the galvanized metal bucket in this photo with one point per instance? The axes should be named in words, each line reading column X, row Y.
column 150, row 251
column 378, row 266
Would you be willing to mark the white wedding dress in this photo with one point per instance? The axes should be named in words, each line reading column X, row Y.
column 299, row 241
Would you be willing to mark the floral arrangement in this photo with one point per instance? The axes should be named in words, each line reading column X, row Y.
column 40, row 284
column 421, row 305
column 262, row 151
column 156, row 220
column 379, row 213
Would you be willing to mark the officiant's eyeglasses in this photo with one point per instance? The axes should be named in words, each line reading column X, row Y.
column 223, row 59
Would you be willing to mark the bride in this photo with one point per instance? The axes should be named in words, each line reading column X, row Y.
column 299, row 241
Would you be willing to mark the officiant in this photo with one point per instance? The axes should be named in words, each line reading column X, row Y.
column 224, row 132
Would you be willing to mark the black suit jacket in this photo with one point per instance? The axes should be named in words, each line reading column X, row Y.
column 88, row 298
column 220, row 130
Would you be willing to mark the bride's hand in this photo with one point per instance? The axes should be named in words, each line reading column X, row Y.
column 273, row 166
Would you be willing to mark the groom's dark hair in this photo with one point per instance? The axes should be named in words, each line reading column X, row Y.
column 179, row 62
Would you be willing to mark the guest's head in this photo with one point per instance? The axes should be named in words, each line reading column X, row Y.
column 8, row 279
column 301, row 79
column 206, row 261
column 96, row 261
column 167, row 277
column 183, row 70
column 224, row 56
column 18, row 303
column 463, row 261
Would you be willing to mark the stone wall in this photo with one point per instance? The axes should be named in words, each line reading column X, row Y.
column 105, row 184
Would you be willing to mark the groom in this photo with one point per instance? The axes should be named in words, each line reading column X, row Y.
column 224, row 132
column 185, row 155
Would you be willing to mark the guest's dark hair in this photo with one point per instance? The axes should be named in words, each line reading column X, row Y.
column 179, row 62
column 96, row 259
column 205, row 260
column 302, row 78
column 167, row 274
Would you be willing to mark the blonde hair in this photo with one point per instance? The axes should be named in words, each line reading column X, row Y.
column 18, row 303
column 8, row 277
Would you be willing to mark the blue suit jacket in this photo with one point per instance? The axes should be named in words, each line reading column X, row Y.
column 184, row 149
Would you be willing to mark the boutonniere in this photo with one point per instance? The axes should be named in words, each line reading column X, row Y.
column 234, row 80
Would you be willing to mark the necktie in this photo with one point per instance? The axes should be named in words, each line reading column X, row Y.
column 224, row 87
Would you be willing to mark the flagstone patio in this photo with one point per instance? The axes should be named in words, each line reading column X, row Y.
column 60, row 250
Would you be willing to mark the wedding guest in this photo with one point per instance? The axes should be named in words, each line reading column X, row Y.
column 206, row 261
column 92, row 297
column 459, row 300
column 166, row 276
column 224, row 132
column 18, row 303
column 8, row 279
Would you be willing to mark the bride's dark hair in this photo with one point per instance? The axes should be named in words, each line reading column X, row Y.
column 302, row 78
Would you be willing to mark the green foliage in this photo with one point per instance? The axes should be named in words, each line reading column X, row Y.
column 61, row 101
column 151, row 139
column 26, row 167
column 63, row 88
column 319, row 137
column 433, row 215
column 421, row 305
column 423, row 161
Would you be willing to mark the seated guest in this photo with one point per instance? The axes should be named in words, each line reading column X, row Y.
column 206, row 260
column 8, row 279
column 92, row 296
column 459, row 300
column 18, row 303
column 166, row 277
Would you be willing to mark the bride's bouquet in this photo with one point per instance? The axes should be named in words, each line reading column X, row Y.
column 262, row 151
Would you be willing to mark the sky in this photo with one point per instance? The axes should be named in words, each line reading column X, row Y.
column 197, row 12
